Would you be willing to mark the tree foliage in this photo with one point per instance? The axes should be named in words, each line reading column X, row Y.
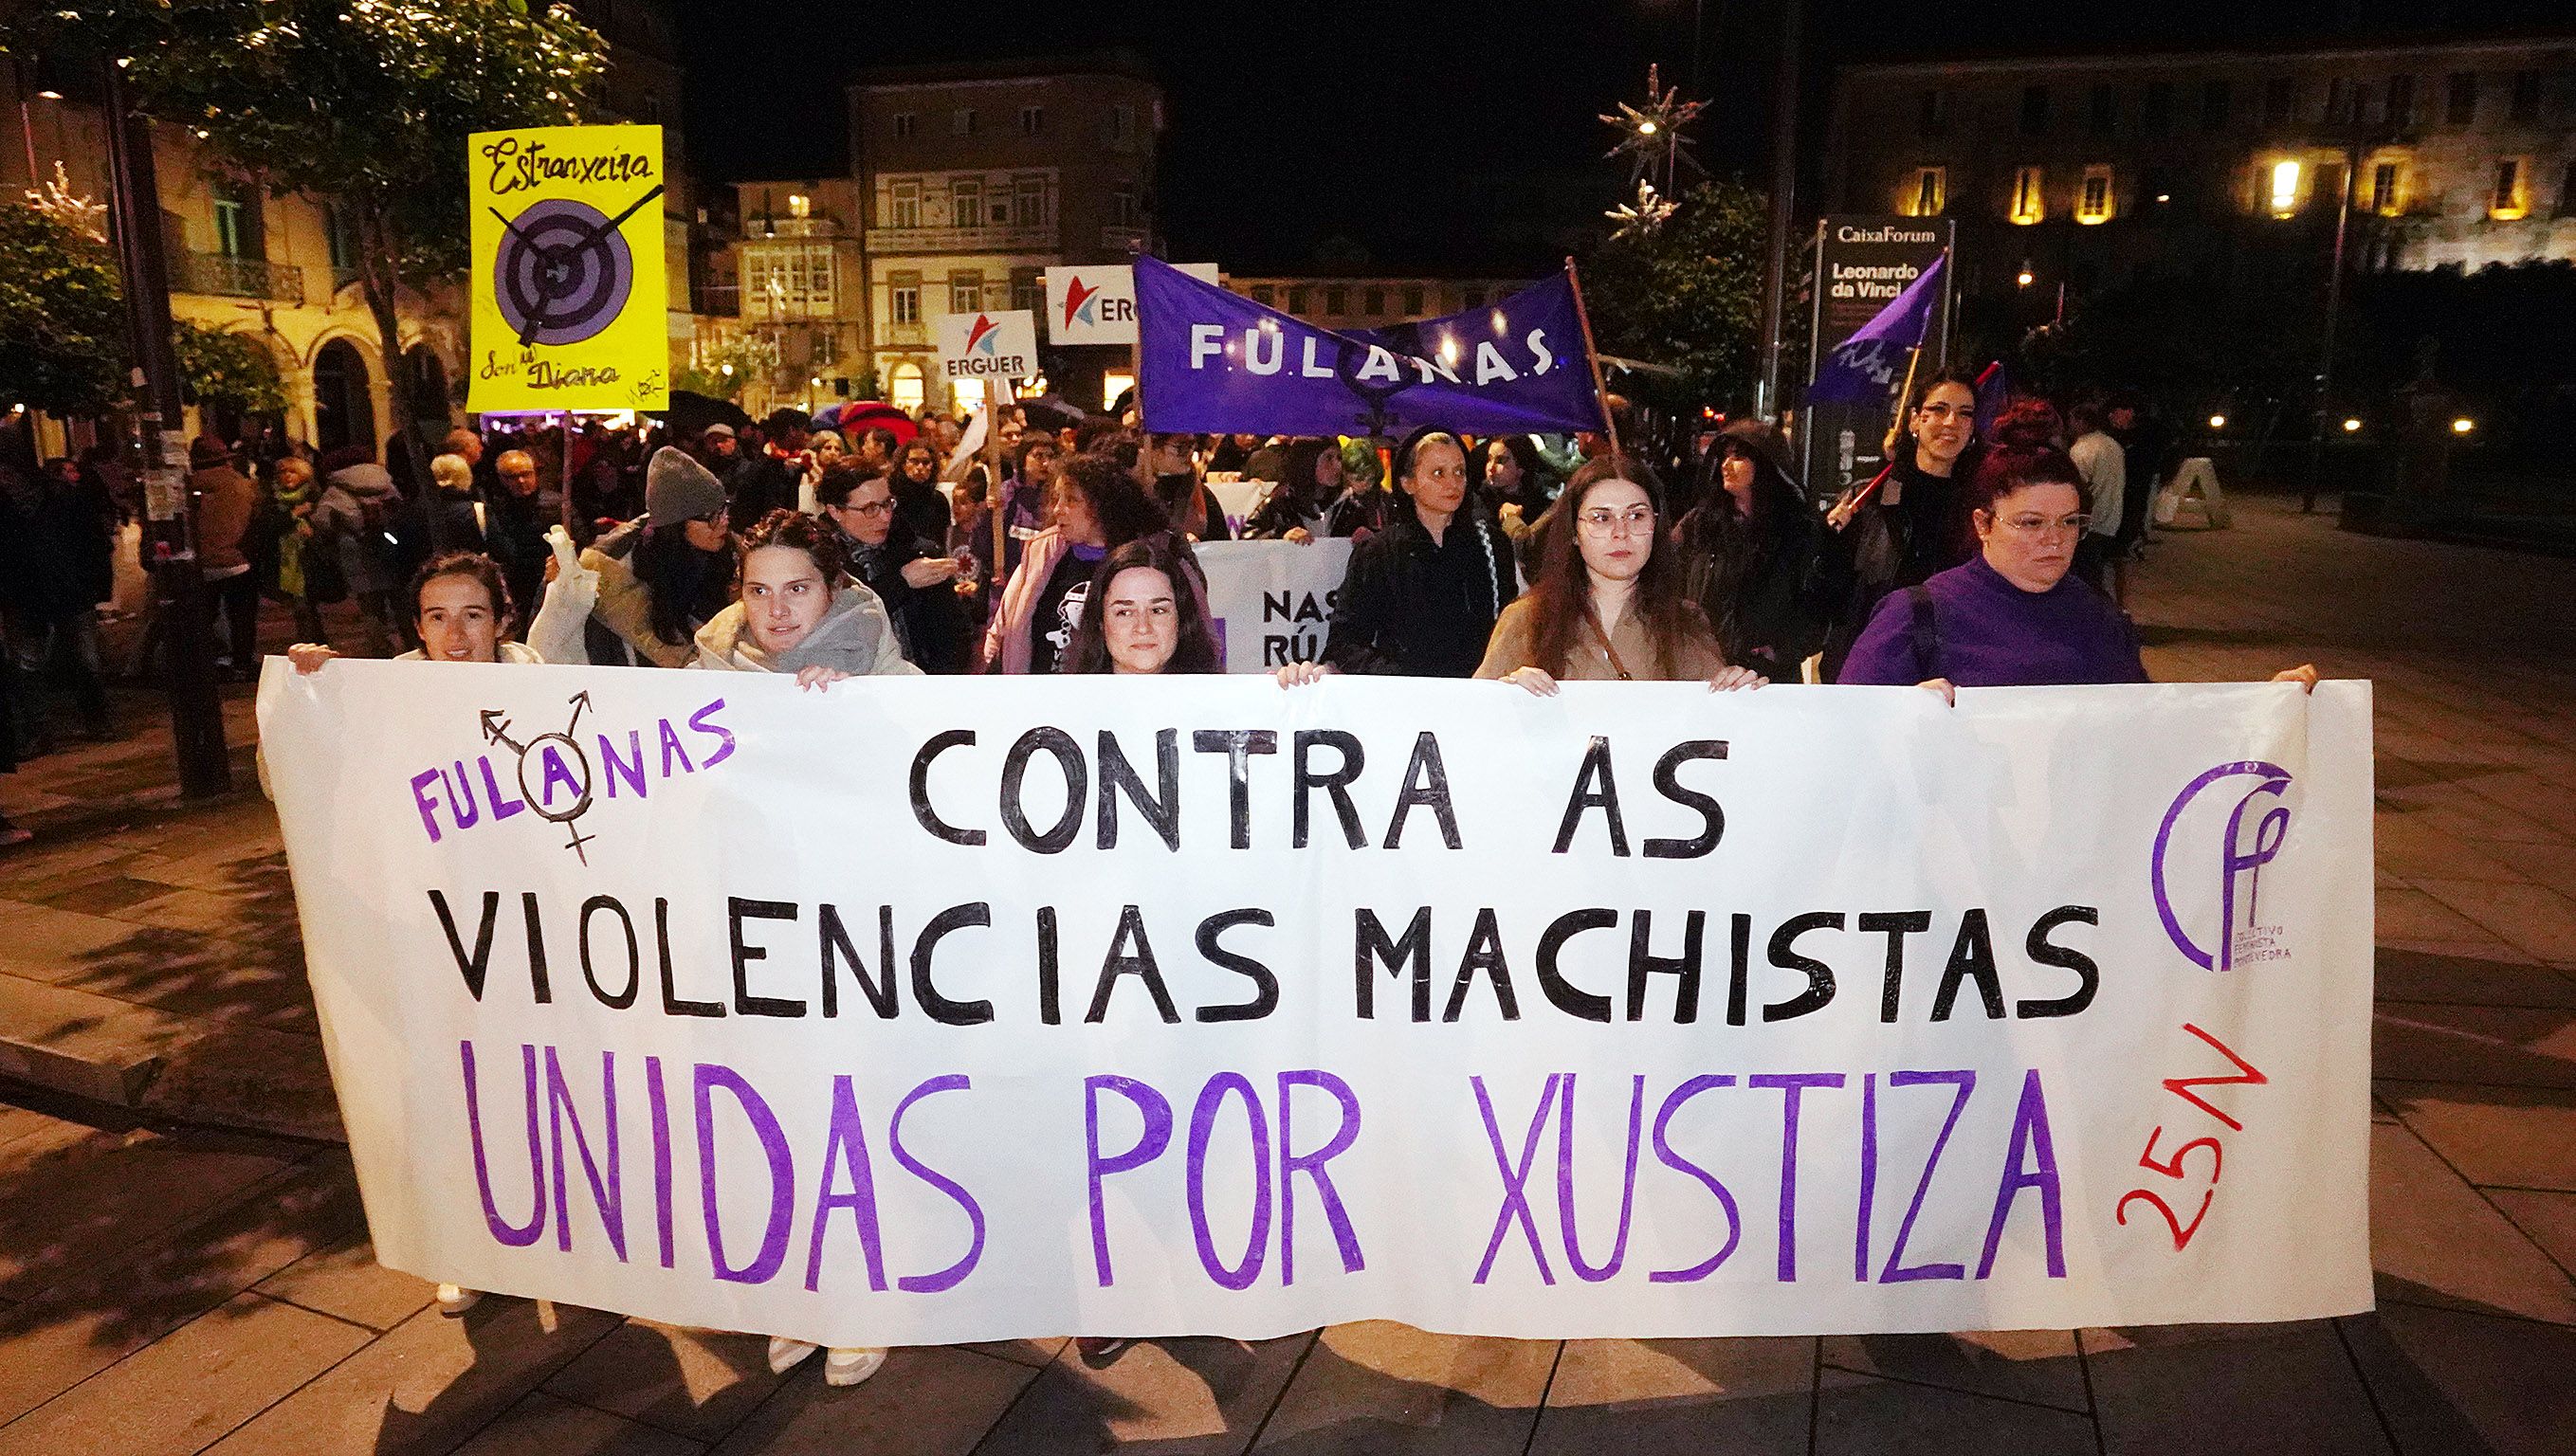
column 365, row 102
column 1687, row 296
column 62, row 316
column 753, row 359
column 228, row 368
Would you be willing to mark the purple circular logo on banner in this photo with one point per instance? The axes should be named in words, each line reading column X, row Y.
column 562, row 272
column 2238, row 863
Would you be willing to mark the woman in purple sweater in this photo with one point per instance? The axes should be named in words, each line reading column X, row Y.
column 2010, row 616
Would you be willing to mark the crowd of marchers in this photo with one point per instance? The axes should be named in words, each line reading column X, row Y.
column 1975, row 560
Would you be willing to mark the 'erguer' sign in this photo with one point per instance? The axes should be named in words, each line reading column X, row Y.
column 936, row 1009
column 988, row 345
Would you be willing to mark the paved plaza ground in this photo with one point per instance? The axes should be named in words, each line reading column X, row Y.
column 184, row 1267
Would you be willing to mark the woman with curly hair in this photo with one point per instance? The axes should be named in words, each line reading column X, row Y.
column 1097, row 507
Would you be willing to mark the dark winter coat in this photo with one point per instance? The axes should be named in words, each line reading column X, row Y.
column 1415, row 608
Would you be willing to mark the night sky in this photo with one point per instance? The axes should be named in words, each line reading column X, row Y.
column 1437, row 137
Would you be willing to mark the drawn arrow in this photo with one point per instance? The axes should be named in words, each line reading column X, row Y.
column 496, row 729
column 579, row 701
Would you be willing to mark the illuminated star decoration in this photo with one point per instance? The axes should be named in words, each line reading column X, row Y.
column 1650, row 137
column 1642, row 217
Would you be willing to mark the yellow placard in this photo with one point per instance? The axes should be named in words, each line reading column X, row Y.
column 569, row 311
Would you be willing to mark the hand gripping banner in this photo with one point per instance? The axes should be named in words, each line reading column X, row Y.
column 1211, row 361
column 932, row 1009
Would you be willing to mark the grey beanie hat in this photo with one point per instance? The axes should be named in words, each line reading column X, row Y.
column 677, row 488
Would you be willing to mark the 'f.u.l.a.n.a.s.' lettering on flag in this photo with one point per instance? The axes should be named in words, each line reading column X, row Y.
column 939, row 1009
column 1211, row 361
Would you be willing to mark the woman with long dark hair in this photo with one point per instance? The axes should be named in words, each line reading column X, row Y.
column 1097, row 507
column 1421, row 595
column 641, row 592
column 1748, row 554
column 1300, row 506
column 1607, row 603
column 1144, row 615
column 1914, row 522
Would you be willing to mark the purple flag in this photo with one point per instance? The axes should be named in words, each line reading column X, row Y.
column 1994, row 391
column 1213, row 362
column 1869, row 365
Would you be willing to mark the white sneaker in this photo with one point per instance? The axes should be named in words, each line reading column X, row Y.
column 849, row 1366
column 453, row 1301
column 786, row 1354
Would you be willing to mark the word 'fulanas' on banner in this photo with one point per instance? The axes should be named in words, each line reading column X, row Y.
column 569, row 309
column 930, row 1010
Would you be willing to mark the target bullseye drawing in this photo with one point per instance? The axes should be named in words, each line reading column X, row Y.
column 563, row 271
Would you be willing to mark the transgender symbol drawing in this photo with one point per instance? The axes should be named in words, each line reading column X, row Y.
column 558, row 759
column 563, row 270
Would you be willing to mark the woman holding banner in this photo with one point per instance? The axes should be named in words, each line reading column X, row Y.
column 2011, row 616
column 796, row 610
column 1422, row 595
column 1143, row 616
column 1608, row 605
column 648, row 586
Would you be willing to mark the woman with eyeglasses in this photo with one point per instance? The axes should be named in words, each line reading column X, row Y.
column 916, row 583
column 1607, row 605
column 639, row 594
column 1912, row 521
column 2012, row 615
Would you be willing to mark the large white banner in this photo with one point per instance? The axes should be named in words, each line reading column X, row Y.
column 1273, row 600
column 938, row 1009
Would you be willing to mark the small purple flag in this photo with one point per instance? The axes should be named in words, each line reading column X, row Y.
column 1213, row 362
column 1867, row 367
column 1994, row 391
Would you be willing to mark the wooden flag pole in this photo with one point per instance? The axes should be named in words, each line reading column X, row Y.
column 1592, row 357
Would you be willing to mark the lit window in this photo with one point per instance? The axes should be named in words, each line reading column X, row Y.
column 906, row 394
column 905, row 299
column 2508, row 201
column 1931, row 192
column 903, row 208
column 2285, row 188
column 2093, row 202
column 2388, row 189
column 799, row 205
column 2027, row 205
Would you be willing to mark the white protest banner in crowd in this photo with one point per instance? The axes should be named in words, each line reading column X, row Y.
column 1238, row 497
column 1095, row 303
column 1273, row 600
column 926, row 1010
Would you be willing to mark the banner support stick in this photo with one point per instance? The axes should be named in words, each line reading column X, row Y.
column 1592, row 358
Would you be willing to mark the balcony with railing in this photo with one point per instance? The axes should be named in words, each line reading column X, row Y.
column 1000, row 238
column 226, row 276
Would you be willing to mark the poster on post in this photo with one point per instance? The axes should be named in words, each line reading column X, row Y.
column 569, row 309
column 1863, row 264
column 925, row 1010
column 987, row 346
column 1273, row 600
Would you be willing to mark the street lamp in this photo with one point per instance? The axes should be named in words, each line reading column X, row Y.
column 2463, row 425
column 2023, row 278
column 2218, row 422
column 2352, row 427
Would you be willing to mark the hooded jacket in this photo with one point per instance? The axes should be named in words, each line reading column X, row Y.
column 855, row 636
column 350, row 496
